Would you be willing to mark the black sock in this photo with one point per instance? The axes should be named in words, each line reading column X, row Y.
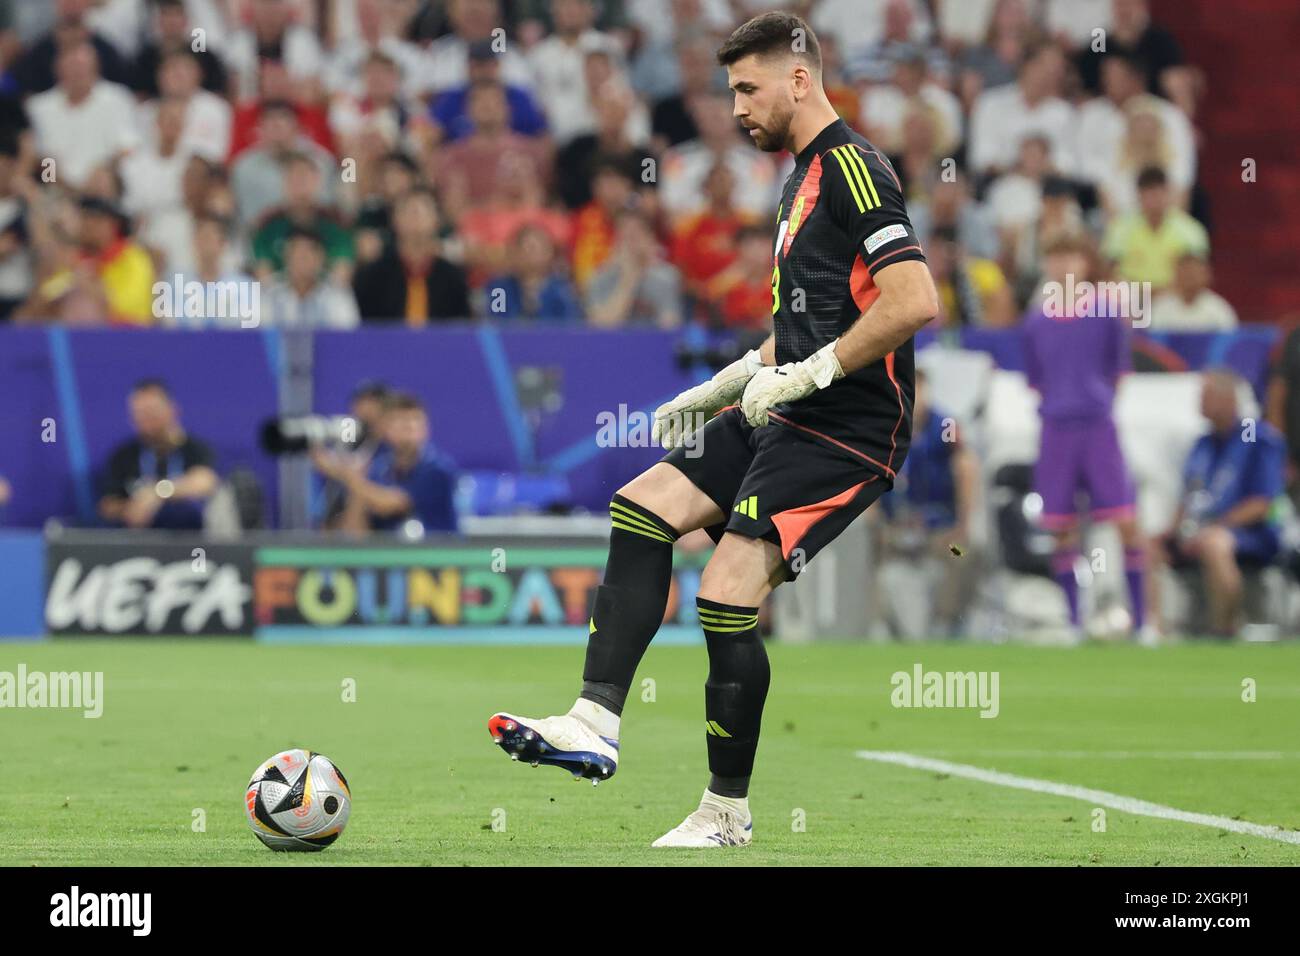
column 629, row 604
column 733, row 694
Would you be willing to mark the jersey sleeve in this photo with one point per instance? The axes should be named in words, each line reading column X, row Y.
column 866, row 201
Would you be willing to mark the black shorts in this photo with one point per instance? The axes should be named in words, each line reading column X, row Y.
column 777, row 483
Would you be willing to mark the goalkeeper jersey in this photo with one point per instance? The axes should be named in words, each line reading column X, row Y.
column 842, row 220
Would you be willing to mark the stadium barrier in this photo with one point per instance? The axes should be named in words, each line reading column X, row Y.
column 570, row 403
column 475, row 588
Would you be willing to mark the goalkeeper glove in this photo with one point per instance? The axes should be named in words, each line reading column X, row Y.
column 777, row 384
column 692, row 408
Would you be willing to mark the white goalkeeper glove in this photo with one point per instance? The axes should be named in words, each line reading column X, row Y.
column 777, row 384
column 692, row 408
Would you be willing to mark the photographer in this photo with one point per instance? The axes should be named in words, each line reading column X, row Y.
column 163, row 477
column 405, row 481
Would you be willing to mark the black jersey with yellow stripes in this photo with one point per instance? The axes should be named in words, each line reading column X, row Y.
column 842, row 220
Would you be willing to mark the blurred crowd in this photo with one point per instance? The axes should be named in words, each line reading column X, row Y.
column 414, row 161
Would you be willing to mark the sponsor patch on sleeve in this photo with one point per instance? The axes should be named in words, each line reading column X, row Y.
column 882, row 236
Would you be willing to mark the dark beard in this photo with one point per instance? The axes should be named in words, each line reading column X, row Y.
column 775, row 139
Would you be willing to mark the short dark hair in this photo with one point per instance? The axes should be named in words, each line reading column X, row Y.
column 403, row 402
column 772, row 33
column 1152, row 176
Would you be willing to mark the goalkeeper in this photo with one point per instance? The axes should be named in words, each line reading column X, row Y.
column 805, row 433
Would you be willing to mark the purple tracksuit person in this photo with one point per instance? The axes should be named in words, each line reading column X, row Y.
column 1075, row 359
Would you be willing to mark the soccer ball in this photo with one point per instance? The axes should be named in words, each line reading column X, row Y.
column 297, row 800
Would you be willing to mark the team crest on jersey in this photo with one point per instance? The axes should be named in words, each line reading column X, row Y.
column 796, row 216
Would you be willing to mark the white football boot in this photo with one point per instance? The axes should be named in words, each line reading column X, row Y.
column 720, row 821
column 561, row 741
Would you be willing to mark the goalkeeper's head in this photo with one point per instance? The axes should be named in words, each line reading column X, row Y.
column 774, row 67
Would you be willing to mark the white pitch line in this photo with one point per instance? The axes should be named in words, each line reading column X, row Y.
column 1098, row 797
column 1127, row 754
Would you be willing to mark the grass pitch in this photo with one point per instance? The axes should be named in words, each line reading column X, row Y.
column 186, row 723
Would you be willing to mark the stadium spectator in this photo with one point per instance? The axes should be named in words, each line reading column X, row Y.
column 1146, row 144
column 405, row 481
column 16, row 264
column 38, row 69
column 684, row 168
column 703, row 245
column 172, row 33
column 302, row 210
column 1005, row 115
column 115, row 271
column 636, row 286
column 257, row 177
column 1230, row 480
column 377, row 30
column 613, row 189
column 84, row 122
column 905, row 22
column 276, row 86
column 271, row 35
column 207, row 116
column 1011, row 32
column 411, row 281
column 1145, row 244
column 447, row 58
column 886, row 107
column 742, row 292
column 305, row 294
column 1190, row 305
column 476, row 170
column 162, row 477
column 536, row 286
column 1132, row 32
column 381, row 184
column 929, row 512
column 450, row 112
column 1112, row 152
column 671, row 122
column 860, row 26
column 950, row 206
column 973, row 291
column 576, row 163
column 152, row 179
column 558, row 64
column 918, row 162
column 1015, row 199
column 213, row 263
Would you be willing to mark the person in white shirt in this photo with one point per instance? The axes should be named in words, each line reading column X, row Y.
column 684, row 168
column 1005, row 115
column 272, row 34
column 208, row 117
column 303, row 296
column 558, row 68
column 151, row 179
column 1104, row 125
column 1189, row 305
column 859, row 25
column 83, row 122
column 885, row 108
column 374, row 29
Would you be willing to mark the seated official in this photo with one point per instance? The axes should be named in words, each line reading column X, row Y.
column 163, row 477
column 406, row 480
column 1230, row 480
column 929, row 512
